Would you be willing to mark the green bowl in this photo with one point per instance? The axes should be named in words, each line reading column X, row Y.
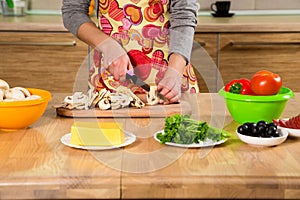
column 251, row 108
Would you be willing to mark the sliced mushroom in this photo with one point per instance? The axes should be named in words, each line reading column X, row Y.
column 124, row 100
column 104, row 104
column 114, row 102
column 68, row 99
column 80, row 97
column 91, row 97
column 152, row 98
column 78, row 106
column 60, row 105
column 78, row 100
column 101, row 94
column 116, row 105
column 136, row 101
column 138, row 104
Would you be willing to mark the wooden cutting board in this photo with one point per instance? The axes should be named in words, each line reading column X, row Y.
column 148, row 111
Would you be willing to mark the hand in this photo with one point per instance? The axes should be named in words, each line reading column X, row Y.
column 115, row 58
column 119, row 67
column 170, row 85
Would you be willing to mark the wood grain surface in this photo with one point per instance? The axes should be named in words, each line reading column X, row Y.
column 34, row 164
column 242, row 55
column 246, row 24
column 148, row 111
column 43, row 60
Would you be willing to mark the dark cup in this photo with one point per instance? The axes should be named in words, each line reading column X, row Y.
column 220, row 7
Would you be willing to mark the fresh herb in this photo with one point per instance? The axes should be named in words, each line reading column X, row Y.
column 181, row 129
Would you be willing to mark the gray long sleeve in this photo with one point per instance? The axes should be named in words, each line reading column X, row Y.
column 74, row 14
column 183, row 20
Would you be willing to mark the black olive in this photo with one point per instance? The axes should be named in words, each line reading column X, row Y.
column 261, row 129
column 264, row 123
column 272, row 124
column 240, row 129
column 275, row 134
column 254, row 131
column 250, row 125
column 243, row 129
column 272, row 129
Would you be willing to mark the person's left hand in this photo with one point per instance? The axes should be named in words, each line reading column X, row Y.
column 170, row 86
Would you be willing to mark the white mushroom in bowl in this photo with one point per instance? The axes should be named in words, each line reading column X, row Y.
column 8, row 94
column 3, row 85
column 14, row 94
column 1, row 95
column 23, row 90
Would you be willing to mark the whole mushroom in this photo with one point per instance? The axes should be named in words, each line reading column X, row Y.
column 23, row 90
column 3, row 85
column 14, row 94
column 1, row 95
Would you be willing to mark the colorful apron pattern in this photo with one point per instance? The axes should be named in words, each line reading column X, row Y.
column 142, row 28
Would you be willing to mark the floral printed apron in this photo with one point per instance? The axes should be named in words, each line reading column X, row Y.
column 142, row 28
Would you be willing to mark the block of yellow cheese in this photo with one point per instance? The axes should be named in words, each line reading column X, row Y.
column 97, row 134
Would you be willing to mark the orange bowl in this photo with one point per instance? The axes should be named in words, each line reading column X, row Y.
column 20, row 114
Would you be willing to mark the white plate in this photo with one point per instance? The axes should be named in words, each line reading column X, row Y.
column 207, row 143
column 258, row 141
column 291, row 131
column 128, row 139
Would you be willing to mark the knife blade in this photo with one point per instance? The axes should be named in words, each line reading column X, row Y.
column 137, row 81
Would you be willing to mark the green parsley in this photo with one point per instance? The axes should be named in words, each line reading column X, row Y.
column 181, row 129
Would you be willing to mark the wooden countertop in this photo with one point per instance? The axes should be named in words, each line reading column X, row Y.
column 34, row 164
column 276, row 23
column 51, row 23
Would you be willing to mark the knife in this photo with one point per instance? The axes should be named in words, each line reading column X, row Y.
column 137, row 81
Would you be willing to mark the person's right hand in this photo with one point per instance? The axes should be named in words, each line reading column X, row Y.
column 115, row 58
column 119, row 67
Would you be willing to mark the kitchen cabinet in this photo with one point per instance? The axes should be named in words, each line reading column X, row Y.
column 243, row 54
column 204, row 59
column 47, row 60
column 239, row 54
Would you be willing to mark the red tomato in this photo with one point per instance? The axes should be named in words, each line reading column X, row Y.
column 265, row 83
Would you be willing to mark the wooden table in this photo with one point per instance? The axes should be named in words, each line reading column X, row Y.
column 35, row 164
